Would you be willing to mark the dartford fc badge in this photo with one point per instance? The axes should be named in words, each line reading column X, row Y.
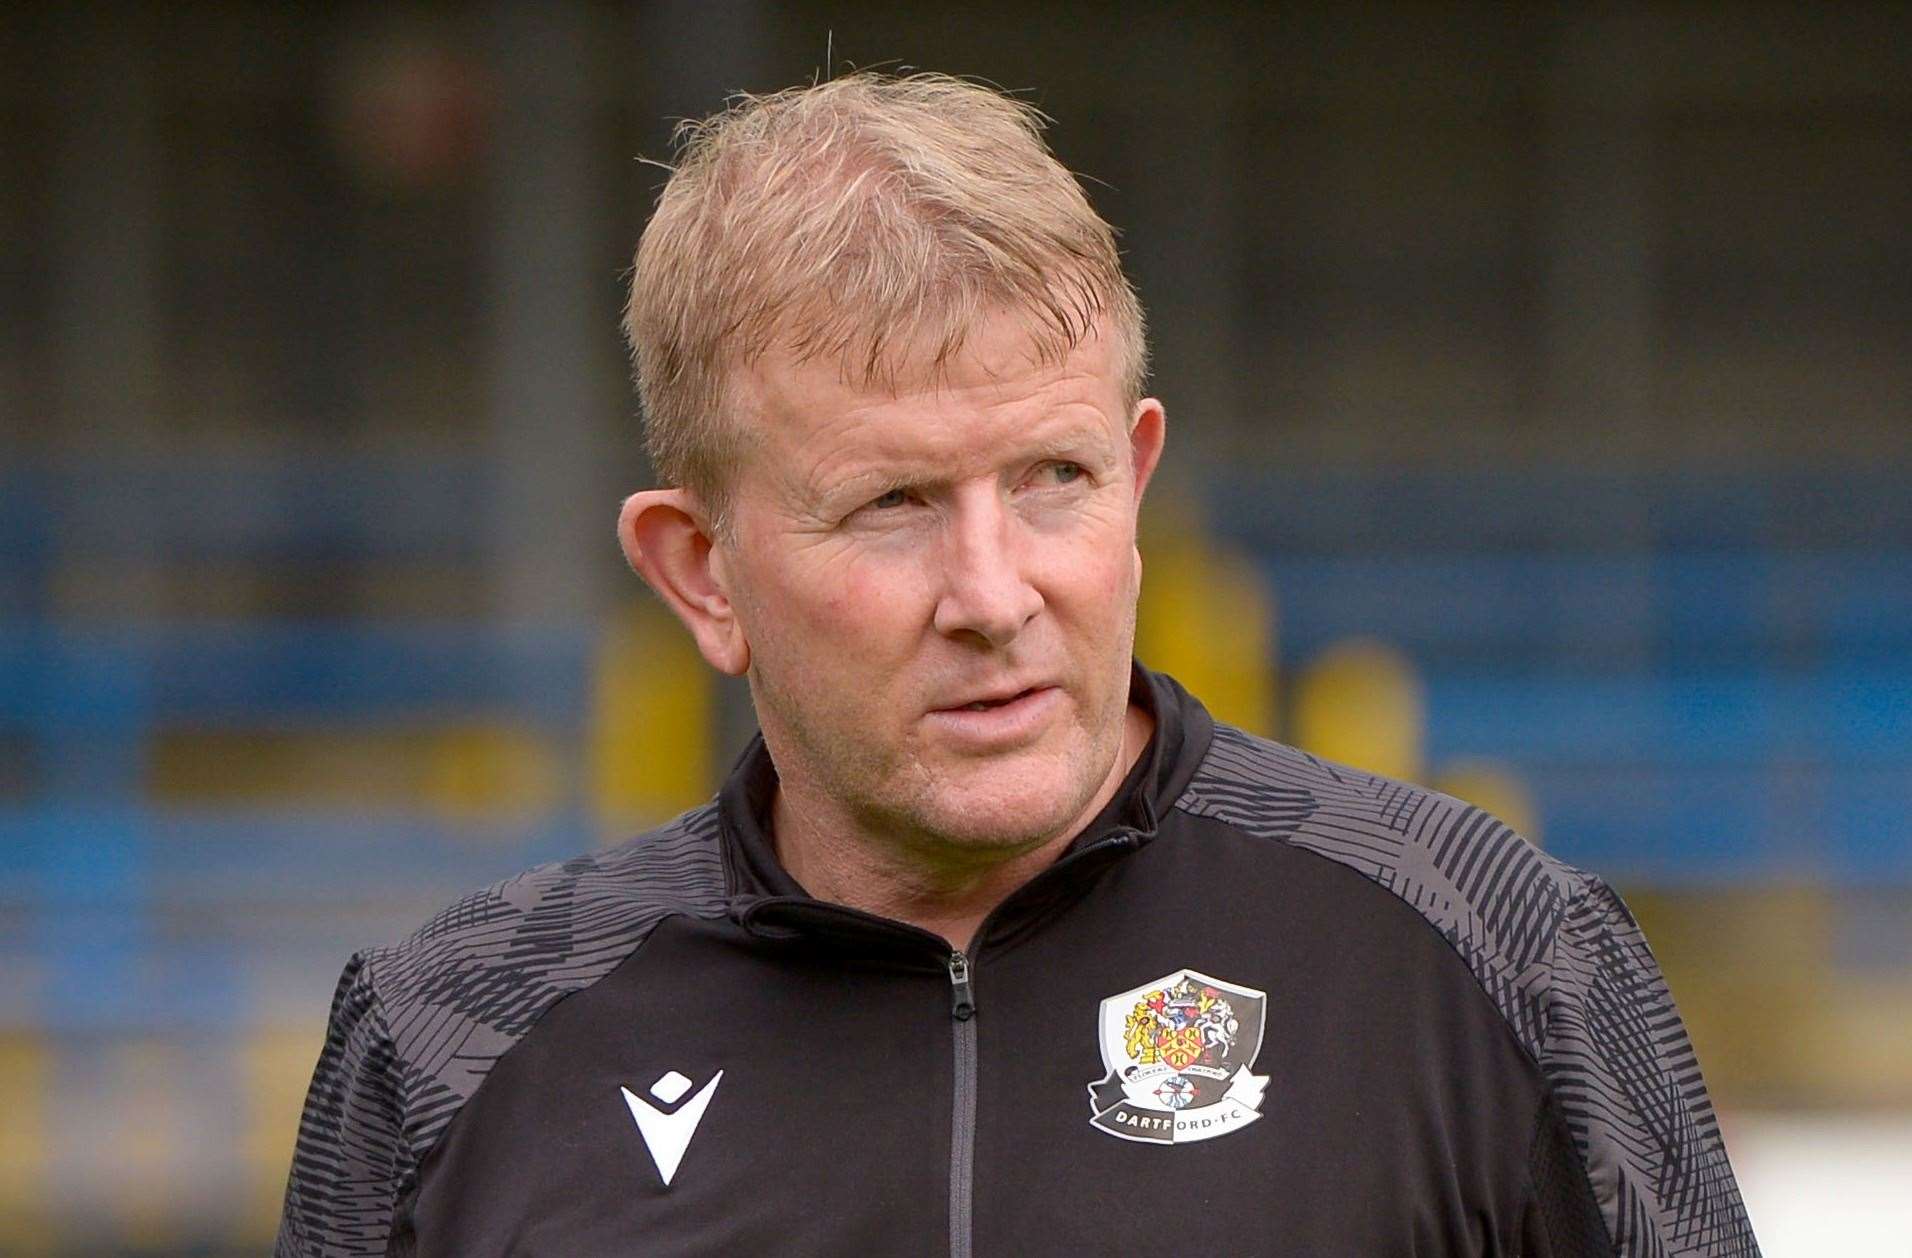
column 1178, row 1052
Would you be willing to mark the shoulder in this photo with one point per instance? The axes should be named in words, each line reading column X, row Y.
column 1499, row 901
column 1552, row 946
column 571, row 911
column 469, row 983
column 416, row 1027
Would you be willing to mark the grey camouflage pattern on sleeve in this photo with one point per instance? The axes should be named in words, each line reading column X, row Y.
column 1557, row 953
column 416, row 1028
column 351, row 1151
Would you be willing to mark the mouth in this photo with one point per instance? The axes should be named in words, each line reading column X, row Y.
column 999, row 722
column 991, row 703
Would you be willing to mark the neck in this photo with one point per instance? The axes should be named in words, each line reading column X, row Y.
column 946, row 889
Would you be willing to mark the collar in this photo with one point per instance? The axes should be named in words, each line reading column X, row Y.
column 1183, row 731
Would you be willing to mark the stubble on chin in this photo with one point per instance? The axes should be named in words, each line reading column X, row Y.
column 1012, row 803
column 914, row 799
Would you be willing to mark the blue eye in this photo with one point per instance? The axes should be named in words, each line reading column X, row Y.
column 894, row 498
column 1066, row 472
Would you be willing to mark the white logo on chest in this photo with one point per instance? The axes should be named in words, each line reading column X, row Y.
column 1178, row 1052
column 667, row 1135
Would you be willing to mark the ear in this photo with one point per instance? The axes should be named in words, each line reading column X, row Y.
column 1148, row 429
column 668, row 542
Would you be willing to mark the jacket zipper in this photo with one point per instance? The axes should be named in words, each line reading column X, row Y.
column 962, row 990
column 962, row 1008
column 962, row 1130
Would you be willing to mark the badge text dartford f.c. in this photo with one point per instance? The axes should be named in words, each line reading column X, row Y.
column 1177, row 1051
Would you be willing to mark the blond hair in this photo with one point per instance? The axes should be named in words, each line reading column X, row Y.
column 870, row 218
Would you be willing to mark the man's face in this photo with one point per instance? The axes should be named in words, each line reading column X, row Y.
column 938, row 586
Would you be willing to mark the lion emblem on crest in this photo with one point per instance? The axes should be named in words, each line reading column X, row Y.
column 1181, row 1025
column 1178, row 1053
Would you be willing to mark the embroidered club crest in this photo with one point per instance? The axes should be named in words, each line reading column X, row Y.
column 1178, row 1052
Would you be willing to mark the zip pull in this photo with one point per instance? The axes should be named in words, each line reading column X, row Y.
column 962, row 995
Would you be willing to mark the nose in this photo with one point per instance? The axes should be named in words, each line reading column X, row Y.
column 986, row 593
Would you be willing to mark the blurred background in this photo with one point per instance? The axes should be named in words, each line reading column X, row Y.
column 1540, row 386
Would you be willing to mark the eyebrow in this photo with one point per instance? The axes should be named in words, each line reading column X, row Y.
column 1072, row 443
column 1062, row 444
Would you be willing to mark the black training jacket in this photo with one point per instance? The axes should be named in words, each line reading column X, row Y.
column 1262, row 1005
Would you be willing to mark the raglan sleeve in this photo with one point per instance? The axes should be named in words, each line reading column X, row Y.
column 351, row 1155
column 1627, row 1084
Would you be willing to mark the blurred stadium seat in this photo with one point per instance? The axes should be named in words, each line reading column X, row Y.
column 1589, row 423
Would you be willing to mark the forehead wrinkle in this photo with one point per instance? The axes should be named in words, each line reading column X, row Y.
column 810, row 410
column 946, row 460
column 999, row 352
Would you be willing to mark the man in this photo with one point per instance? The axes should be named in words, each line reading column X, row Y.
column 994, row 942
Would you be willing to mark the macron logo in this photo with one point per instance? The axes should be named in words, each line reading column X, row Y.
column 668, row 1135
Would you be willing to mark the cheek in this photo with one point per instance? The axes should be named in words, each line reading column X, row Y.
column 1092, row 596
column 862, row 605
column 1100, row 564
